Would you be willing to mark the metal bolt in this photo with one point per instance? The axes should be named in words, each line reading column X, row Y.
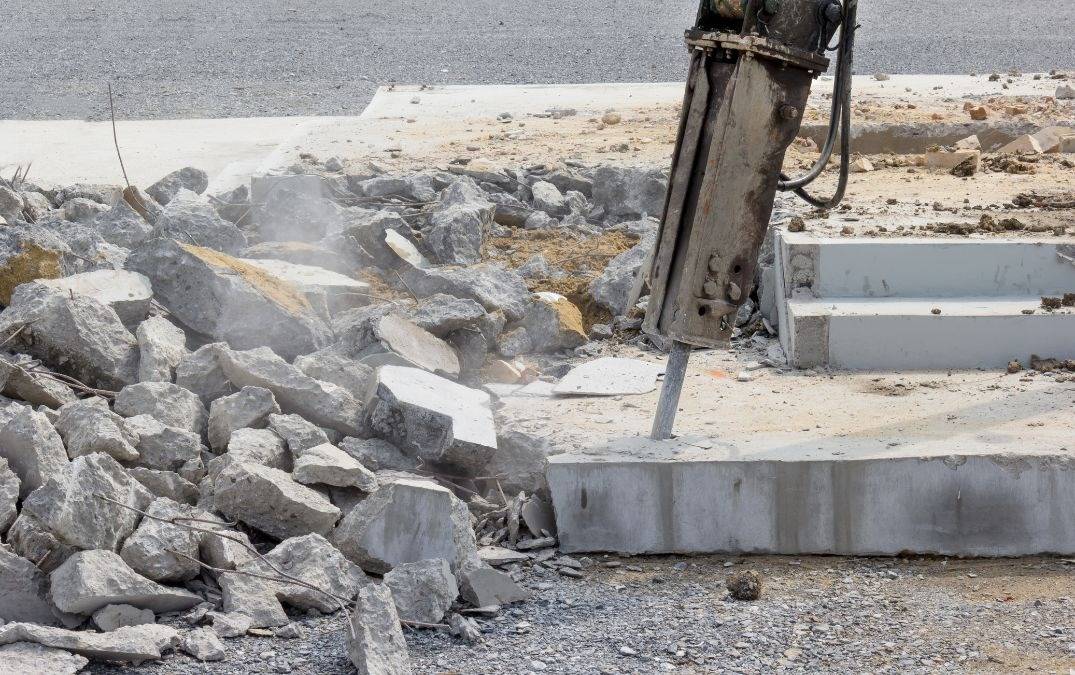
column 710, row 288
column 714, row 263
column 734, row 292
column 789, row 112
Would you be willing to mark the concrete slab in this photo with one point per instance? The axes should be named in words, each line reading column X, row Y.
column 791, row 495
column 843, row 267
column 905, row 334
column 232, row 150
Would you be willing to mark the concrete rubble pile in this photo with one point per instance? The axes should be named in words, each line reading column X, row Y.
column 199, row 393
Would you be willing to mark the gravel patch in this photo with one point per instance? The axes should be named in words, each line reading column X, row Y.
column 674, row 614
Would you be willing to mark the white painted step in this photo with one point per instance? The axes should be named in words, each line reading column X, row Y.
column 905, row 334
column 846, row 267
column 793, row 496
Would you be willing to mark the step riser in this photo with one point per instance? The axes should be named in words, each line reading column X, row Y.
column 986, row 506
column 927, row 342
column 830, row 268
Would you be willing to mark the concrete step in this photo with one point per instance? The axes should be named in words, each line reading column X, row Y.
column 845, row 496
column 837, row 267
column 906, row 334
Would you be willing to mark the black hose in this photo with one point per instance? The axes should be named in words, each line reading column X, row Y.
column 841, row 119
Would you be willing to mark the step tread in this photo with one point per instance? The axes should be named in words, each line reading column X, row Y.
column 898, row 306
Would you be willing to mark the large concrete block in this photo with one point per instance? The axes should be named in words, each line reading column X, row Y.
column 852, row 496
column 432, row 418
column 229, row 299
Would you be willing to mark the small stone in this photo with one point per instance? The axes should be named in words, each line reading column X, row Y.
column 229, row 624
column 744, row 585
column 161, row 347
column 292, row 631
column 611, row 118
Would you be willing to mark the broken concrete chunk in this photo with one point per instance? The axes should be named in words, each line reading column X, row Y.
column 187, row 178
column 393, row 340
column 162, row 346
column 326, row 464
column 423, row 591
column 457, row 224
column 87, row 428
column 9, row 495
column 134, row 644
column 200, row 372
column 441, row 314
column 25, row 379
column 294, row 211
column 111, row 617
column 629, row 192
column 323, row 288
column 376, row 534
column 249, row 407
column 946, row 160
column 162, row 447
column 271, row 501
column 229, row 299
column 497, row 556
column 80, row 335
column 483, row 586
column 377, row 454
column 228, row 550
column 492, row 286
column 1025, row 144
column 336, row 366
column 82, row 210
column 203, row 644
column 122, row 225
column 612, row 289
column 375, row 643
column 553, row 323
column 69, row 504
column 548, row 198
column 432, row 418
column 171, row 404
column 162, row 551
column 32, row 448
column 191, row 219
column 299, row 434
column 258, row 446
column 520, row 461
column 23, row 590
column 310, row 558
column 230, row 624
column 610, row 376
column 29, row 539
column 407, row 252
column 322, row 403
column 166, row 484
column 18, row 658
column 128, row 293
column 90, row 580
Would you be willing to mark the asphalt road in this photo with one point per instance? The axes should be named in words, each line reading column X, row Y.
column 209, row 58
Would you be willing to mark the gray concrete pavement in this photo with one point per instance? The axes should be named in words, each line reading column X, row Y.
column 191, row 58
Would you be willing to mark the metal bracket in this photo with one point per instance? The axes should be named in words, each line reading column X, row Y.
column 759, row 46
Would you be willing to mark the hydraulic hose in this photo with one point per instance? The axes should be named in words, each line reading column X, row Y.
column 839, row 123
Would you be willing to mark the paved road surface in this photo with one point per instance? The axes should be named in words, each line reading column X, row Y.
column 208, row 58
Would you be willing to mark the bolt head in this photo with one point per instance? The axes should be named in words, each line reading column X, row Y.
column 710, row 288
column 789, row 112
